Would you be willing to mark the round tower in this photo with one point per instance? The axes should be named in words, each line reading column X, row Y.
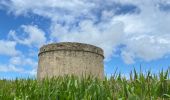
column 70, row 58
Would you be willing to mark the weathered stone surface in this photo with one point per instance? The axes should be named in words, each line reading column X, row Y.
column 68, row 58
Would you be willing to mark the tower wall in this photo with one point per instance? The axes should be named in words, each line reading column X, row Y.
column 69, row 58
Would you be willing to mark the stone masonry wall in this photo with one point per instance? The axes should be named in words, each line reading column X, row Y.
column 70, row 58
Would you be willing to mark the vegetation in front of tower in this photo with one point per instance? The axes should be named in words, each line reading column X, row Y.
column 138, row 87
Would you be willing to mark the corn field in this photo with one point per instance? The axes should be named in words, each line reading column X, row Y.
column 138, row 87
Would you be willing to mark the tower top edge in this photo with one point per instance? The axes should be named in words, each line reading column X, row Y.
column 72, row 46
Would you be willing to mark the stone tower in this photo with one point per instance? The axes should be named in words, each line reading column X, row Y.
column 70, row 58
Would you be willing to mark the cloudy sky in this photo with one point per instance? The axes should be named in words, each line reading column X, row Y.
column 133, row 33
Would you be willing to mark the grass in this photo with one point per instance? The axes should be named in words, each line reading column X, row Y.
column 138, row 87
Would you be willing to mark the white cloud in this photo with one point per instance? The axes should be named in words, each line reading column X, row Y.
column 8, row 48
column 31, row 36
column 33, row 72
column 53, row 9
column 20, row 65
column 128, row 57
column 11, row 68
column 104, row 35
column 145, row 34
column 148, row 47
column 23, row 61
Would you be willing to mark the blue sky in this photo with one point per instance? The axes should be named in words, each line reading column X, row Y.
column 132, row 33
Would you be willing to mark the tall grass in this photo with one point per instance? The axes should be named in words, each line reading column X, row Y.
column 138, row 87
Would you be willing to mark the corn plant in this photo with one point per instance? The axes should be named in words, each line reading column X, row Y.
column 139, row 86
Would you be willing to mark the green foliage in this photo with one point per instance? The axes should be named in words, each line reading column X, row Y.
column 138, row 87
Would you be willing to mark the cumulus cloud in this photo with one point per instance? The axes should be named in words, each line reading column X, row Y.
column 8, row 48
column 53, row 9
column 33, row 72
column 22, row 61
column 31, row 36
column 141, row 25
column 105, row 35
column 148, row 47
column 147, row 33
column 11, row 68
column 21, row 65
column 127, row 56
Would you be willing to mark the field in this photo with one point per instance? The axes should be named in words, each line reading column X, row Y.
column 139, row 87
